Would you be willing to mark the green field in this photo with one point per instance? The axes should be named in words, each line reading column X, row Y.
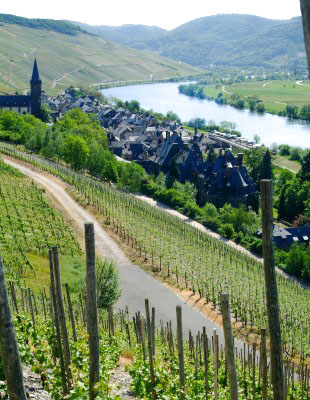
column 274, row 94
column 77, row 59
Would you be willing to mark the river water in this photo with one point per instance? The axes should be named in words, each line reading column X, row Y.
column 162, row 97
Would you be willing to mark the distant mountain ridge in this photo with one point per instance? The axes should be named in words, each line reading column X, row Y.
column 128, row 34
column 224, row 40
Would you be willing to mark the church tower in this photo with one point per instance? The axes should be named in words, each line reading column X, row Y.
column 35, row 92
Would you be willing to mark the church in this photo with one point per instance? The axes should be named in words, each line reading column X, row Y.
column 24, row 104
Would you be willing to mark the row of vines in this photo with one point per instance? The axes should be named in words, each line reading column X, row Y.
column 191, row 258
column 28, row 223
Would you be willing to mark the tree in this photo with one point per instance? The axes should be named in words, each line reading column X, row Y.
column 108, row 283
column 45, row 113
column 260, row 107
column 266, row 172
column 256, row 138
column 75, row 152
column 173, row 116
column 291, row 111
column 304, row 173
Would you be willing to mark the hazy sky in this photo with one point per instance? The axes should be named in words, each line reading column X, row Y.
column 167, row 14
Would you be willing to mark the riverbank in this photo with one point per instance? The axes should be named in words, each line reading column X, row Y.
column 284, row 98
column 164, row 97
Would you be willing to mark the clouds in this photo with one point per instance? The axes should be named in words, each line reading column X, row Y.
column 166, row 14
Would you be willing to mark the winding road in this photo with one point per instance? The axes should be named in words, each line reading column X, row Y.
column 135, row 283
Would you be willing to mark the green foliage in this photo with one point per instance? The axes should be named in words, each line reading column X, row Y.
column 108, row 283
column 173, row 116
column 298, row 261
column 304, row 173
column 227, row 230
column 63, row 27
column 75, row 152
column 243, row 274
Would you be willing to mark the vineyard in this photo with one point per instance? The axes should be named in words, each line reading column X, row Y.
column 29, row 225
column 190, row 258
column 163, row 365
column 153, row 355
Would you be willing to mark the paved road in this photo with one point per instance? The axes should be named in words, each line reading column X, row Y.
column 136, row 284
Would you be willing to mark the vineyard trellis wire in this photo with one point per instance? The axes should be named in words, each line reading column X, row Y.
column 207, row 265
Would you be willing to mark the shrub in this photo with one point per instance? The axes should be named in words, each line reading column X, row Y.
column 227, row 230
column 108, row 283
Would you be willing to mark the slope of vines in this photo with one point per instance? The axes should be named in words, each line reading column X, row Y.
column 28, row 224
column 206, row 264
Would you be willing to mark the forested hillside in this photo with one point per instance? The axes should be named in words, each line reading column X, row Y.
column 229, row 40
column 128, row 34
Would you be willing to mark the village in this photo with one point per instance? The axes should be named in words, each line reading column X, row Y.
column 206, row 161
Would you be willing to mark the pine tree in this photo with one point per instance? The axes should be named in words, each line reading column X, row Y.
column 266, row 169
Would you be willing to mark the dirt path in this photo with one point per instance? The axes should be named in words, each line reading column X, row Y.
column 135, row 283
column 63, row 76
column 226, row 91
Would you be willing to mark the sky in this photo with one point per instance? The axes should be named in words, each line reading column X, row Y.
column 167, row 14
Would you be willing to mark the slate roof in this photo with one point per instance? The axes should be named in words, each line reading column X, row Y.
column 15, row 101
column 285, row 237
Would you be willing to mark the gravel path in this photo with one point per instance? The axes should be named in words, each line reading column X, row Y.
column 135, row 283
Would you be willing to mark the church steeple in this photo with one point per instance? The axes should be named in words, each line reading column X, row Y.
column 36, row 91
column 35, row 72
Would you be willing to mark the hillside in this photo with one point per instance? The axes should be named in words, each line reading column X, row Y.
column 230, row 40
column 72, row 59
column 128, row 34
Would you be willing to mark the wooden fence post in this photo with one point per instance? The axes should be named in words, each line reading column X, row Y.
column 277, row 376
column 55, row 317
column 264, row 363
column 91, row 306
column 180, row 351
column 150, row 347
column 229, row 347
column 61, row 314
column 9, row 347
column 71, row 312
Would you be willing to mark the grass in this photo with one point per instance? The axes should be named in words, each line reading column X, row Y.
column 272, row 93
column 72, row 272
column 98, row 59
column 285, row 162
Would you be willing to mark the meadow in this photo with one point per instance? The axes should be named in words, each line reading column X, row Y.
column 275, row 94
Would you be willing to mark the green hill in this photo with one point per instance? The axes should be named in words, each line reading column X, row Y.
column 229, row 40
column 128, row 34
column 73, row 58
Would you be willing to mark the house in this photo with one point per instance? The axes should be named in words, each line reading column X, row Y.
column 285, row 237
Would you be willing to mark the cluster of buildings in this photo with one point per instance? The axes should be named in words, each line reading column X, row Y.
column 219, row 176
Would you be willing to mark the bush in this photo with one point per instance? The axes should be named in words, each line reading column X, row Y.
column 227, row 230
column 108, row 283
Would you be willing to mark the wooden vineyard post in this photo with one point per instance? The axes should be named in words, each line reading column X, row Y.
column 150, row 347
column 57, row 324
column 205, row 359
column 61, row 314
column 215, row 356
column 91, row 306
column 229, row 347
column 277, row 376
column 9, row 347
column 71, row 312
column 180, row 351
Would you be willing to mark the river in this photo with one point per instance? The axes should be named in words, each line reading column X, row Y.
column 162, row 97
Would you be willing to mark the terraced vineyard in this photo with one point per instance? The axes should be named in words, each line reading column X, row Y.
column 191, row 258
column 28, row 224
